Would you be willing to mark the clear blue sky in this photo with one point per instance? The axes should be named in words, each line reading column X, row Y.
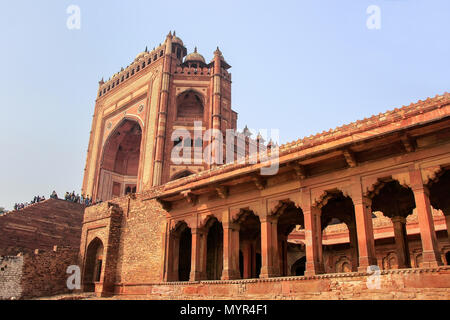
column 299, row 66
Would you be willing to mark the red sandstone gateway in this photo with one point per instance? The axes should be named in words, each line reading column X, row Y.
column 371, row 193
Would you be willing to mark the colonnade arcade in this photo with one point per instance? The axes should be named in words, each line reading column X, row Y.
column 250, row 240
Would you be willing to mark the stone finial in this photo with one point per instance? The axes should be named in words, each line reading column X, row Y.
column 146, row 49
column 217, row 52
column 260, row 138
column 195, row 50
column 246, row 132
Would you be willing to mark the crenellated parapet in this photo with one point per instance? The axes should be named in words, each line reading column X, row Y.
column 142, row 61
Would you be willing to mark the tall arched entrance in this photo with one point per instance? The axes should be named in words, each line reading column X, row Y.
column 93, row 265
column 120, row 162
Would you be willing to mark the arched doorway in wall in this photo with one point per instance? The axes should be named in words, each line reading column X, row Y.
column 299, row 267
column 249, row 244
column 93, row 265
column 120, row 161
column 397, row 203
column 214, row 250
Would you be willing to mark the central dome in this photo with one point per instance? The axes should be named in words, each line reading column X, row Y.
column 195, row 56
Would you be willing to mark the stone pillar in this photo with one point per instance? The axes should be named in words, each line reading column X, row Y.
column 230, row 251
column 216, row 109
column 364, row 229
column 269, row 248
column 162, row 114
column 247, row 260
column 198, row 252
column 172, row 258
column 253, row 250
column 313, row 240
column 353, row 237
column 282, row 255
column 401, row 242
column 447, row 220
column 430, row 255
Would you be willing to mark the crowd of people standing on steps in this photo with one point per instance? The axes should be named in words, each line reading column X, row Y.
column 36, row 199
column 69, row 196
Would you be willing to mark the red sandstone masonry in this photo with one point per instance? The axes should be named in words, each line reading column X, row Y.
column 395, row 284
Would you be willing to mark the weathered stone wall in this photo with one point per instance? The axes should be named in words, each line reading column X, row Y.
column 36, row 275
column 141, row 250
column 41, row 226
column 394, row 284
column 10, row 277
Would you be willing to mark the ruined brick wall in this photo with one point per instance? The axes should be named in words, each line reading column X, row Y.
column 41, row 226
column 36, row 274
column 393, row 284
column 44, row 274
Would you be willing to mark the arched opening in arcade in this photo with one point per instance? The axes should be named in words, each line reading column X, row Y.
column 120, row 161
column 289, row 218
column 396, row 202
column 179, row 253
column 184, row 268
column 93, row 265
column 249, row 244
column 214, row 249
column 338, row 209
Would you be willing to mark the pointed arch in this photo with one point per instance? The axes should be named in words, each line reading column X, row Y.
column 120, row 158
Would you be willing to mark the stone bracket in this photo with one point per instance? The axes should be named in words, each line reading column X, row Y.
column 260, row 183
column 408, row 143
column 299, row 169
column 350, row 158
column 222, row 191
